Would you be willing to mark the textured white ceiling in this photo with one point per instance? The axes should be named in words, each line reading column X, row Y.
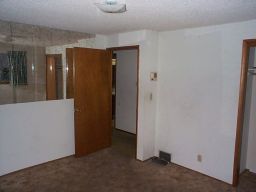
column 83, row 16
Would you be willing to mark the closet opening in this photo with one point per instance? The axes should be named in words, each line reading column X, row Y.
column 245, row 151
column 125, row 78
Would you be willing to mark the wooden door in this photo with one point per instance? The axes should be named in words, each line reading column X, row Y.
column 51, row 93
column 92, row 97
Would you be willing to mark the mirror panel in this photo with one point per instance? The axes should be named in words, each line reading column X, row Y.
column 33, row 62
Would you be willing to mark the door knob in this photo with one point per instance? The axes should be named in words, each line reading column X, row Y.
column 77, row 110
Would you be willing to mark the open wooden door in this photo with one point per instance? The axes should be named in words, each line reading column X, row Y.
column 92, row 97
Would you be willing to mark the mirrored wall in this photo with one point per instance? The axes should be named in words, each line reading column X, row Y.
column 33, row 62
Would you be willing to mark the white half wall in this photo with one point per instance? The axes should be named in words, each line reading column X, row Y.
column 34, row 133
column 198, row 88
column 126, row 90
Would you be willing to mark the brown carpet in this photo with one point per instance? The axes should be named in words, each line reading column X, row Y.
column 115, row 169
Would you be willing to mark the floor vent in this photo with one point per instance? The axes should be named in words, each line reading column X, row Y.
column 163, row 159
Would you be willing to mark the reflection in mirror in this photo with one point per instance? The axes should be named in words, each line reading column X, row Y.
column 69, row 67
column 33, row 61
column 4, row 69
column 54, row 77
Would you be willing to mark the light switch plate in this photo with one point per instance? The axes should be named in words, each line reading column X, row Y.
column 153, row 76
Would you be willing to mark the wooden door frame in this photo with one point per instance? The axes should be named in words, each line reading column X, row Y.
column 132, row 47
column 247, row 44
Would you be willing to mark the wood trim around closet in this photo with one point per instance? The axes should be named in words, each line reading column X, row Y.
column 247, row 44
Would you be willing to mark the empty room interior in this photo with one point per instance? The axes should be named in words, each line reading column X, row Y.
column 125, row 95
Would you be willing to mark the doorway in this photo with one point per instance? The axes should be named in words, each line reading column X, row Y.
column 246, row 121
column 125, row 62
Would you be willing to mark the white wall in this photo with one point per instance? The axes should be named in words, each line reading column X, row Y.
column 34, row 133
column 199, row 72
column 194, row 106
column 251, row 131
column 126, row 90
column 148, row 42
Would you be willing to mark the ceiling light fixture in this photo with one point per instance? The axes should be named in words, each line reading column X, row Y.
column 111, row 6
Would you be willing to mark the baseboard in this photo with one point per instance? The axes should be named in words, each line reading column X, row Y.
column 125, row 131
column 143, row 161
column 14, row 172
column 201, row 173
